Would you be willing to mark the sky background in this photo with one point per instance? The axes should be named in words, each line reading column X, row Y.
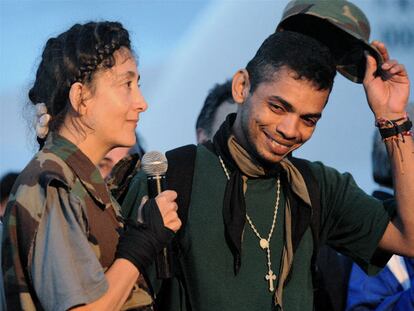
column 184, row 48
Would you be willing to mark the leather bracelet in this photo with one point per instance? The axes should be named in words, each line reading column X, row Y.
column 396, row 129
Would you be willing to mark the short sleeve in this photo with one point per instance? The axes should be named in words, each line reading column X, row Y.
column 352, row 221
column 64, row 269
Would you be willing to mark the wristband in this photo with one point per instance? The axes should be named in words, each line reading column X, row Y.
column 396, row 129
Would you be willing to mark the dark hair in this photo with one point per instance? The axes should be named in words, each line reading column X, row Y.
column 305, row 56
column 216, row 96
column 6, row 185
column 74, row 56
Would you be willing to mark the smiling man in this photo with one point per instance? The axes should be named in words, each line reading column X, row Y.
column 257, row 215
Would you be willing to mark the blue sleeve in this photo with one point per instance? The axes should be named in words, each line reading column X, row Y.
column 381, row 292
column 64, row 269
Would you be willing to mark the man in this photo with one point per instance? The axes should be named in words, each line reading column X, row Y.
column 393, row 287
column 218, row 104
column 247, row 243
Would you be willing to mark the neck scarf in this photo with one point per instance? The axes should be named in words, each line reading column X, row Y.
column 242, row 166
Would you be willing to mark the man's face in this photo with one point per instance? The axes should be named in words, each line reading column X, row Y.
column 279, row 116
column 111, row 158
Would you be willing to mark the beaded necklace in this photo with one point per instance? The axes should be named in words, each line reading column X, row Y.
column 263, row 243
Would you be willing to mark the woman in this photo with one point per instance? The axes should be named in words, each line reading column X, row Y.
column 66, row 246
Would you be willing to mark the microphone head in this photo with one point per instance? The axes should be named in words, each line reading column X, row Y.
column 154, row 163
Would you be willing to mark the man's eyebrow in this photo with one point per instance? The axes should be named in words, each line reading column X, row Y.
column 289, row 107
column 312, row 115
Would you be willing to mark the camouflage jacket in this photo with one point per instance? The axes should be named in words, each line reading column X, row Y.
column 61, row 232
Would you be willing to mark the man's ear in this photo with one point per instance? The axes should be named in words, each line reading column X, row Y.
column 240, row 86
column 76, row 97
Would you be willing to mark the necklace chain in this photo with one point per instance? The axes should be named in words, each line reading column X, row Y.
column 264, row 243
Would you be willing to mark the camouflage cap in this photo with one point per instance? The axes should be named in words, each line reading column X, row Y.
column 340, row 25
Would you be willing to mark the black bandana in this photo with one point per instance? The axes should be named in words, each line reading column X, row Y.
column 234, row 205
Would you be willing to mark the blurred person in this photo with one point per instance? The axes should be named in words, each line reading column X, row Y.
column 66, row 245
column 256, row 214
column 110, row 159
column 218, row 104
column 393, row 287
column 106, row 165
column 6, row 184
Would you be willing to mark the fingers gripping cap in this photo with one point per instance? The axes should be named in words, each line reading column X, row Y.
column 338, row 24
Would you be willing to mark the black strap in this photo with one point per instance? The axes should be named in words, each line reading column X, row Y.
column 314, row 193
column 181, row 163
column 396, row 129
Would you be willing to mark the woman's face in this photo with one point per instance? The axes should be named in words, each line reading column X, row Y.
column 115, row 103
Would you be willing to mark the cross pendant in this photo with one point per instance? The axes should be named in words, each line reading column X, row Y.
column 270, row 277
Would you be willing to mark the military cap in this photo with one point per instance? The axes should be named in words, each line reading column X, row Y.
column 340, row 25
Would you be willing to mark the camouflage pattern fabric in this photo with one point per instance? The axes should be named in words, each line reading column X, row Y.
column 339, row 24
column 122, row 175
column 59, row 165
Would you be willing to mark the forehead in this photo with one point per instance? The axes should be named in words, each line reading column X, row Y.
column 125, row 64
column 124, row 60
column 117, row 154
column 300, row 93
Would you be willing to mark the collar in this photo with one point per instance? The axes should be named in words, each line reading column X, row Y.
column 82, row 166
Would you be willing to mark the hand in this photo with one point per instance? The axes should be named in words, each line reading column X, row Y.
column 142, row 241
column 168, row 209
column 387, row 98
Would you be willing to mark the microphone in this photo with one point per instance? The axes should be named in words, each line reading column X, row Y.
column 155, row 165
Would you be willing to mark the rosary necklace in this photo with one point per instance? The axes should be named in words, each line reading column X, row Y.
column 263, row 243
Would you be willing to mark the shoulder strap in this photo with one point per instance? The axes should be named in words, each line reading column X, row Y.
column 179, row 176
column 314, row 193
column 181, row 162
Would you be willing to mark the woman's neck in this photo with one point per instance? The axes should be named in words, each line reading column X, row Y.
column 93, row 148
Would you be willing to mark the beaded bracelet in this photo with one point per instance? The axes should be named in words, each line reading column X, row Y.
column 383, row 122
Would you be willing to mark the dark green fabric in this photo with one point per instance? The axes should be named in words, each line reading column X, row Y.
column 349, row 218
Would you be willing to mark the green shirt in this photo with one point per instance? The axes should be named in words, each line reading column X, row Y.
column 351, row 221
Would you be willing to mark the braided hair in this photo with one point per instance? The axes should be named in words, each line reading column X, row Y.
column 74, row 56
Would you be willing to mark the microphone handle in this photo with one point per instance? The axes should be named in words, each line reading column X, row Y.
column 164, row 260
column 156, row 185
